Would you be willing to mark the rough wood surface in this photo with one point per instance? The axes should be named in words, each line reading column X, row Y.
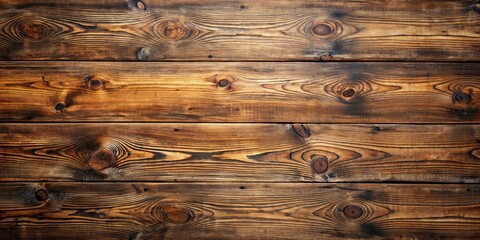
column 238, row 211
column 239, row 152
column 240, row 92
column 271, row 30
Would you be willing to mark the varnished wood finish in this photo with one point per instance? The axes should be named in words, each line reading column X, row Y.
column 240, row 92
column 240, row 152
column 267, row 30
column 239, row 211
column 250, row 119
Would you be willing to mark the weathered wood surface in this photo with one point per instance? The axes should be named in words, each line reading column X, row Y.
column 238, row 211
column 239, row 152
column 271, row 30
column 240, row 92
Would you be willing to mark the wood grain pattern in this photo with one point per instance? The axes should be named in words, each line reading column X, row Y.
column 238, row 211
column 271, row 30
column 240, row 92
column 240, row 152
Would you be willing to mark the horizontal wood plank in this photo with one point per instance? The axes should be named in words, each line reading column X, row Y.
column 273, row 30
column 240, row 152
column 240, row 92
column 238, row 211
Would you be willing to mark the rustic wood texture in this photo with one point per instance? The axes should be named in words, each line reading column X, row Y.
column 239, row 152
column 238, row 211
column 240, row 92
column 267, row 30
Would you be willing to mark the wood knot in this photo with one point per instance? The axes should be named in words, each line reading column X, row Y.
column 59, row 106
column 348, row 93
column 324, row 29
column 301, row 130
column 174, row 30
column 177, row 215
column 326, row 57
column 319, row 164
column 223, row 83
column 141, row 6
column 93, row 83
column 142, row 54
column 462, row 97
column 34, row 30
column 101, row 159
column 352, row 212
column 41, row 195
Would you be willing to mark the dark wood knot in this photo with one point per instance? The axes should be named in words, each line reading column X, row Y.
column 319, row 164
column 101, row 159
column 176, row 214
column 462, row 97
column 94, row 84
column 223, row 83
column 301, row 130
column 59, row 106
column 352, row 212
column 41, row 195
column 348, row 93
column 141, row 6
column 142, row 54
column 34, row 30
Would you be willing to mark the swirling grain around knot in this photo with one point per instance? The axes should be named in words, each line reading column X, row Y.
column 25, row 27
column 171, row 30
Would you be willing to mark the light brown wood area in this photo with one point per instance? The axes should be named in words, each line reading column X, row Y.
column 240, row 92
column 238, row 211
column 240, row 152
column 267, row 30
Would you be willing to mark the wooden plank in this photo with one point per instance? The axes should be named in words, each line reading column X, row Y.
column 238, row 211
column 272, row 30
column 240, row 92
column 240, row 152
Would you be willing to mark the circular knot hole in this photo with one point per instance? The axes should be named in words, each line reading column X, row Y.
column 59, row 106
column 223, row 83
column 94, row 84
column 348, row 93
